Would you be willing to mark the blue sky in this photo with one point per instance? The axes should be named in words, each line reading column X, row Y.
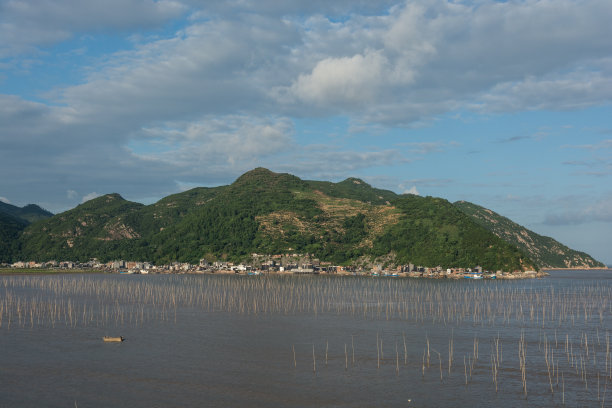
column 505, row 104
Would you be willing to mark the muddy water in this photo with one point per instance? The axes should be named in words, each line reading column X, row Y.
column 350, row 350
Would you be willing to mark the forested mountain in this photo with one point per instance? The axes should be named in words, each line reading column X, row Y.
column 272, row 213
column 99, row 227
column 10, row 227
column 13, row 220
column 545, row 251
column 354, row 188
column 30, row 213
column 432, row 228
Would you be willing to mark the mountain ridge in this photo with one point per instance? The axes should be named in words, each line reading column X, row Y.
column 268, row 212
column 13, row 220
column 29, row 213
column 546, row 251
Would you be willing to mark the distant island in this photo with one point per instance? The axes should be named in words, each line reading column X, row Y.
column 348, row 226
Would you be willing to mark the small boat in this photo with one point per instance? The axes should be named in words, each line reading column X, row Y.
column 111, row 339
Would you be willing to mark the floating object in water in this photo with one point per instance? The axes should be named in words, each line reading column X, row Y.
column 115, row 339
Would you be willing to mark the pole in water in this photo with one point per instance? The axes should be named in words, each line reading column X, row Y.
column 326, row 348
column 314, row 361
column 377, row 351
column 345, row 358
column 353, row 348
column 396, row 360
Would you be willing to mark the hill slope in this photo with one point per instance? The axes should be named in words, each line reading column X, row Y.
column 433, row 230
column 545, row 251
column 228, row 225
column 272, row 213
column 30, row 213
column 355, row 189
column 10, row 227
column 88, row 230
column 13, row 220
column 267, row 212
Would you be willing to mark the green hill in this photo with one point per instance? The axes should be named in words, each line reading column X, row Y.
column 355, row 189
column 545, row 251
column 273, row 213
column 10, row 227
column 30, row 213
column 91, row 229
column 267, row 212
column 228, row 225
column 431, row 231
column 13, row 220
column 168, row 211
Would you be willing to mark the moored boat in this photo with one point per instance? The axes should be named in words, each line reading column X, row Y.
column 112, row 339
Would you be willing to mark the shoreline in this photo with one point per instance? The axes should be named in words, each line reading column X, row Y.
column 578, row 269
column 42, row 271
column 404, row 275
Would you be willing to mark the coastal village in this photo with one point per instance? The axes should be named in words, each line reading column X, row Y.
column 281, row 264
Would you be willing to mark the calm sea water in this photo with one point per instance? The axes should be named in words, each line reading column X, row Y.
column 215, row 341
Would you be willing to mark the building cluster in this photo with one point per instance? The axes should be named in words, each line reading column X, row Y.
column 291, row 263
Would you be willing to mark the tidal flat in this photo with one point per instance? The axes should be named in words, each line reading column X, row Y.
column 305, row 341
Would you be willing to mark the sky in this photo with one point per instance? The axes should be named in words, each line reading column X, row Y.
column 506, row 104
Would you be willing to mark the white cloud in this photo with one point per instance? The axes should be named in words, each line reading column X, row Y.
column 212, row 67
column 559, row 92
column 425, row 58
column 422, row 148
column 26, row 25
column 334, row 8
column 599, row 211
column 5, row 200
column 397, row 64
column 221, row 94
column 90, row 196
column 604, row 144
column 349, row 81
column 232, row 141
column 410, row 64
column 71, row 194
column 412, row 190
column 426, row 182
column 328, row 162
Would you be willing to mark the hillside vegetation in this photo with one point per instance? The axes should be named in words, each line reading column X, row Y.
column 13, row 220
column 30, row 213
column 355, row 189
column 433, row 229
column 272, row 213
column 10, row 227
column 545, row 251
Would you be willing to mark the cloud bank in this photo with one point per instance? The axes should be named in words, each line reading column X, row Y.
column 221, row 93
column 600, row 211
